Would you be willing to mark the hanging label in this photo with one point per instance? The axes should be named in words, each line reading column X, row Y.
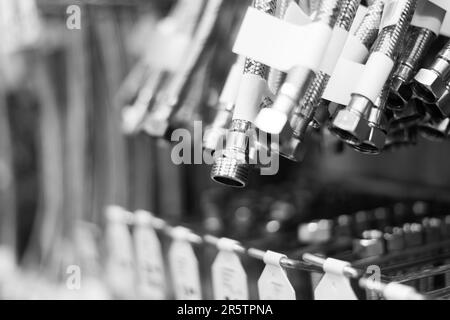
column 228, row 275
column 334, row 285
column 184, row 267
column 279, row 44
column 149, row 259
column 273, row 284
column 120, row 262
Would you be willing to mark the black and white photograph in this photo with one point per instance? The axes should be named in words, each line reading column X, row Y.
column 223, row 155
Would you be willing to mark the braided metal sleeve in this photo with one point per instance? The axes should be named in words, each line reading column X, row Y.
column 313, row 6
column 347, row 13
column 311, row 100
column 283, row 5
column 384, row 95
column 277, row 77
column 419, row 41
column 251, row 66
column 391, row 38
column 327, row 12
column 319, row 84
column 367, row 31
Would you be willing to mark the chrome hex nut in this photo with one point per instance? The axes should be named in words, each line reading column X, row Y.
column 349, row 126
column 428, row 85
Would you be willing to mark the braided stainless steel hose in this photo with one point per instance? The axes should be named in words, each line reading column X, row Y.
column 274, row 119
column 304, row 113
column 367, row 31
column 429, row 84
column 418, row 42
column 231, row 167
column 365, row 34
column 277, row 77
column 349, row 124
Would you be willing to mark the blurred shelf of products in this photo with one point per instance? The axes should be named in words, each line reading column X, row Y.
column 225, row 149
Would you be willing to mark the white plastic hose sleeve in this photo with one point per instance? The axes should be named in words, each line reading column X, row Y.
column 250, row 94
column 377, row 71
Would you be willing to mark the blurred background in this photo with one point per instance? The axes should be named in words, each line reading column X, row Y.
column 65, row 156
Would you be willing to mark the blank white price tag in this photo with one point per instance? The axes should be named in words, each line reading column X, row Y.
column 280, row 44
column 149, row 259
column 120, row 262
column 228, row 275
column 273, row 284
column 334, row 285
column 184, row 267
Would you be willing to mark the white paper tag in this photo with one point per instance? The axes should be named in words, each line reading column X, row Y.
column 184, row 268
column 334, row 285
column 120, row 261
column 429, row 16
column 295, row 15
column 334, row 50
column 392, row 12
column 149, row 259
column 273, row 284
column 279, row 44
column 228, row 275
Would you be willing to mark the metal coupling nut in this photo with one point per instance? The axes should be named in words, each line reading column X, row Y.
column 349, row 124
column 418, row 43
column 430, row 84
column 376, row 139
column 231, row 166
column 441, row 108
